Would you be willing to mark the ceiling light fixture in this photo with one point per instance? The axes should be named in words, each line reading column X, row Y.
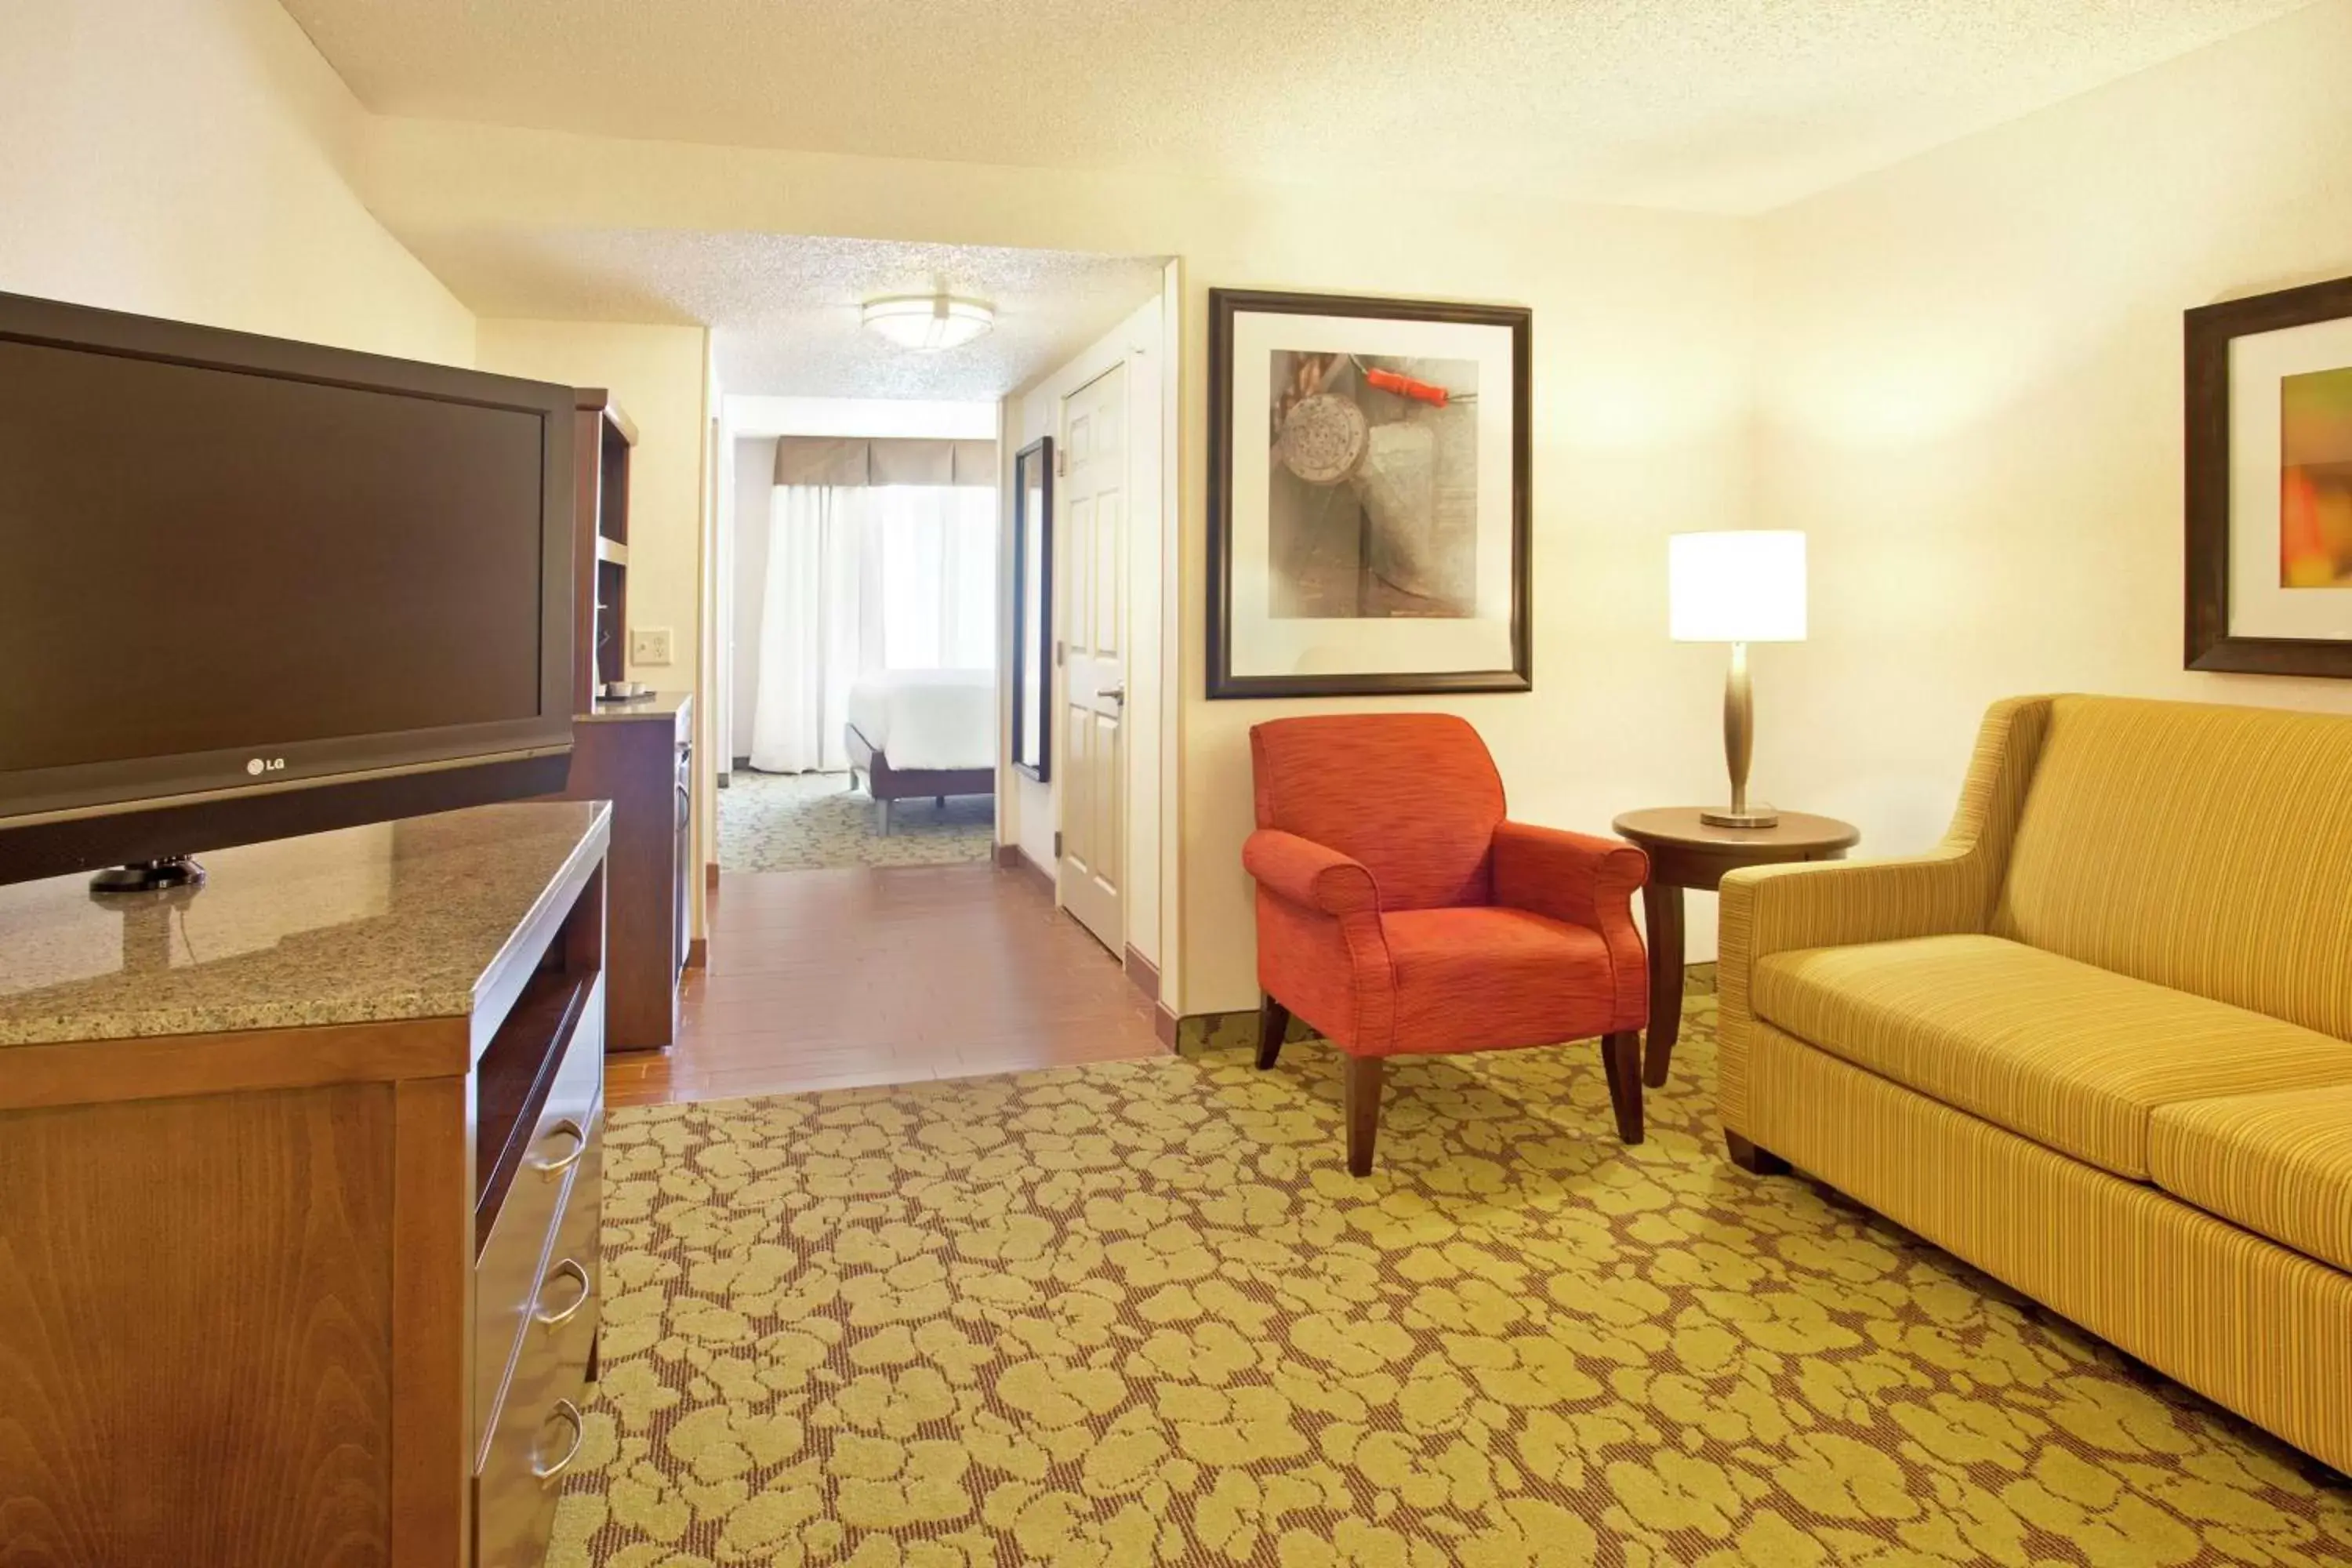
column 927, row 322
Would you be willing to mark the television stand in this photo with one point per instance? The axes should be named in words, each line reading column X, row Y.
column 319, row 1201
column 150, row 875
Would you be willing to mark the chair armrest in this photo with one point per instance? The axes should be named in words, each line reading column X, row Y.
column 1321, row 949
column 1585, row 882
column 1573, row 876
column 1309, row 874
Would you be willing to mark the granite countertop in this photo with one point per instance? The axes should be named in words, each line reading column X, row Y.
column 396, row 919
column 653, row 705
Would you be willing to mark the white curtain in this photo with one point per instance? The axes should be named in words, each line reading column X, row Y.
column 938, row 560
column 810, row 622
column 861, row 579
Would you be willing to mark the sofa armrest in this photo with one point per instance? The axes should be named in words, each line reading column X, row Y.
column 1309, row 874
column 1582, row 880
column 1841, row 903
column 1950, row 890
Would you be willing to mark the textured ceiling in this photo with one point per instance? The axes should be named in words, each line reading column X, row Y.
column 1727, row 105
column 783, row 310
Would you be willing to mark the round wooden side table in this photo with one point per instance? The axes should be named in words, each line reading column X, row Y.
column 1685, row 852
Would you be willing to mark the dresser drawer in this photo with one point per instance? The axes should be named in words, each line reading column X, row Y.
column 536, row 1432
column 560, row 1163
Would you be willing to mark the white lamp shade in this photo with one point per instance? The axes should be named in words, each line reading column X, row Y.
column 927, row 322
column 1746, row 585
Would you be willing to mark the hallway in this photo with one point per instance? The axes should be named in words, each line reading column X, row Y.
column 837, row 979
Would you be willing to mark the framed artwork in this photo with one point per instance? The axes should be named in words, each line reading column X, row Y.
column 1033, row 609
column 2269, row 483
column 1369, row 507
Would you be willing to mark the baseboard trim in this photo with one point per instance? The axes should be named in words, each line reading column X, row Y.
column 1142, row 971
column 1012, row 858
column 1163, row 1024
column 698, row 954
column 711, row 874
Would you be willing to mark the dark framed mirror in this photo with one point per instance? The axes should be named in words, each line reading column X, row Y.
column 1033, row 609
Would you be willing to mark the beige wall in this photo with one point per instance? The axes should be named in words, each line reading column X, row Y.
column 1642, row 327
column 1642, row 346
column 656, row 374
column 1971, row 400
column 1961, row 376
column 660, row 377
column 184, row 158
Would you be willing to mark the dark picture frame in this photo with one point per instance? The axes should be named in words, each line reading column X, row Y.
column 1225, row 305
column 2208, row 332
column 1033, row 614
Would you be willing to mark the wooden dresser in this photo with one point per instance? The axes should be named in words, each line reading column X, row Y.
column 299, row 1179
column 639, row 755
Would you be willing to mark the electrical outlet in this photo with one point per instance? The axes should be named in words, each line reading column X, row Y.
column 649, row 646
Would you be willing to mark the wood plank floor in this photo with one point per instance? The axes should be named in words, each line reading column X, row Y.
column 875, row 975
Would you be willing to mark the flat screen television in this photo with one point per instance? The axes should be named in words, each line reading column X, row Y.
column 252, row 587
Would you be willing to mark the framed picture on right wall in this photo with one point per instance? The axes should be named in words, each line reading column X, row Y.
column 2269, row 588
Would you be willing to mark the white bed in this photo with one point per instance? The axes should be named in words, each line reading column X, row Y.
column 917, row 732
column 929, row 718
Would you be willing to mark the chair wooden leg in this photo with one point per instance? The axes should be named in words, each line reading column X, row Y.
column 1273, row 1023
column 1750, row 1158
column 1362, row 1100
column 1621, row 1059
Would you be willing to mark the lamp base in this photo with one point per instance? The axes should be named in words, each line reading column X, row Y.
column 1738, row 816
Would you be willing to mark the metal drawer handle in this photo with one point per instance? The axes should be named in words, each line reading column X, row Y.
column 587, row 1290
column 579, row 1135
column 548, row 1474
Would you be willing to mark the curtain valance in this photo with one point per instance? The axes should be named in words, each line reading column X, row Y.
column 839, row 462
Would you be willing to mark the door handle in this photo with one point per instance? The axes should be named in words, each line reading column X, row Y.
column 1115, row 693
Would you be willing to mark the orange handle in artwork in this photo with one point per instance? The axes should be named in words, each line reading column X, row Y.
column 1405, row 386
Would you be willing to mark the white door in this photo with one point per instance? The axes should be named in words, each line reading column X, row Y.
column 1090, row 558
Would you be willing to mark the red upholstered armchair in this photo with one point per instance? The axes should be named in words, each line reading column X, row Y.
column 1399, row 913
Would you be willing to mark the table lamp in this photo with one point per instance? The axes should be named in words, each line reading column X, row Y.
column 1738, row 587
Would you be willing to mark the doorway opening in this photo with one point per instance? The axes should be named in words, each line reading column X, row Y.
column 864, row 664
column 894, row 899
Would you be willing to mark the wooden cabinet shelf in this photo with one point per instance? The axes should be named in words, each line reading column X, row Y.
column 603, row 438
column 636, row 753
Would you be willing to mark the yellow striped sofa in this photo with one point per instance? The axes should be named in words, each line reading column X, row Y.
column 2096, row 1043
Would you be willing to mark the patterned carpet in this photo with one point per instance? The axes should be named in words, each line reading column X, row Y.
column 813, row 822
column 1138, row 1312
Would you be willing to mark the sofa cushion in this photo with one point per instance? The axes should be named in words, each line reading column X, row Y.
column 2278, row 1163
column 1483, row 979
column 2191, row 846
column 2072, row 1057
